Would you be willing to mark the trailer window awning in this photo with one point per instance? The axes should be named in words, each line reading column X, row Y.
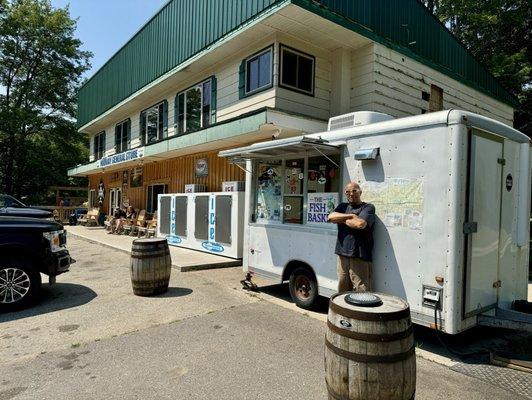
column 282, row 148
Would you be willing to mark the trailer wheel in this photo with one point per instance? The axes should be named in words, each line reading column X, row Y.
column 303, row 288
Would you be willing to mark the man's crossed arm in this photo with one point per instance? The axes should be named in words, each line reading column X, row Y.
column 351, row 220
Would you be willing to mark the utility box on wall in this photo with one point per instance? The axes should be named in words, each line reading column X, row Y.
column 209, row 222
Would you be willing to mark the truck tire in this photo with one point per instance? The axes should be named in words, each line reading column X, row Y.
column 20, row 284
column 303, row 288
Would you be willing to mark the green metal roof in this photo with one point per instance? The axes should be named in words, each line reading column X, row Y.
column 183, row 28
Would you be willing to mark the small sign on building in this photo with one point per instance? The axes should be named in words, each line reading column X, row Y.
column 201, row 167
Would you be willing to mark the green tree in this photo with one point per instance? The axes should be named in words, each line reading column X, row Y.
column 41, row 64
column 499, row 34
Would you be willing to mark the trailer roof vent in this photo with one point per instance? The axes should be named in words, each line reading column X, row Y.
column 358, row 118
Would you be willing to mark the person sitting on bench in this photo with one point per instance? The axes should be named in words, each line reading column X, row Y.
column 129, row 215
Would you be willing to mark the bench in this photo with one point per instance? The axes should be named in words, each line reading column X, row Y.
column 90, row 218
column 137, row 223
column 150, row 228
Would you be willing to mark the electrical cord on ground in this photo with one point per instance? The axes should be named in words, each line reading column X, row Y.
column 452, row 351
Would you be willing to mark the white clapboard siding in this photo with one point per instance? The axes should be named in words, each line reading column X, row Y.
column 109, row 141
column 288, row 100
column 414, row 83
column 135, row 129
column 402, row 80
column 248, row 104
column 362, row 78
column 91, row 148
column 385, row 55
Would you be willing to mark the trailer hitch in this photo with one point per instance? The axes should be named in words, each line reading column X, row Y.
column 247, row 284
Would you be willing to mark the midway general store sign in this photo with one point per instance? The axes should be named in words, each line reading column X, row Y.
column 130, row 155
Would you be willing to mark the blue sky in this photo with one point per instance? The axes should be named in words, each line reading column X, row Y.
column 105, row 26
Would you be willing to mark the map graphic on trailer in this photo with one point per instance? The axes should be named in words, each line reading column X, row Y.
column 398, row 201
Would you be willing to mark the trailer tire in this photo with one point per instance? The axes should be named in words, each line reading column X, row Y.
column 303, row 288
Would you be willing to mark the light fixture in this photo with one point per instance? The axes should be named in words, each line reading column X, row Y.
column 367, row 154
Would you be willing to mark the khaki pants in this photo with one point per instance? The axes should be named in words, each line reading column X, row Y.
column 353, row 274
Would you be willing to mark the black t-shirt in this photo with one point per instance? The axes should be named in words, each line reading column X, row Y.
column 356, row 242
column 119, row 213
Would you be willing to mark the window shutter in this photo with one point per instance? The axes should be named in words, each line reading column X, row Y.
column 165, row 118
column 143, row 128
column 176, row 114
column 118, row 138
column 128, row 127
column 242, row 80
column 95, row 148
column 213, row 99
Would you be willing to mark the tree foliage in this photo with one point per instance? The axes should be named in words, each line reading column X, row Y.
column 41, row 64
column 498, row 33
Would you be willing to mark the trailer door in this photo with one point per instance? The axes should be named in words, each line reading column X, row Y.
column 483, row 224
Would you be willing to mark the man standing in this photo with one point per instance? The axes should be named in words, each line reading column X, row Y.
column 354, row 245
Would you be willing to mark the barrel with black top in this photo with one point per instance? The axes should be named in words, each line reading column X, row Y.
column 150, row 266
column 369, row 348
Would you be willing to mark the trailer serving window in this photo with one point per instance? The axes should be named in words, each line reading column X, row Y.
column 297, row 179
column 301, row 190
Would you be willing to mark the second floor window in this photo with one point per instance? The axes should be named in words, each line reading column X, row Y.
column 193, row 107
column 154, row 123
column 256, row 72
column 123, row 136
column 297, row 71
column 99, row 145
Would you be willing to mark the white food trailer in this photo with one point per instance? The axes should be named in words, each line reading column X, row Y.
column 452, row 197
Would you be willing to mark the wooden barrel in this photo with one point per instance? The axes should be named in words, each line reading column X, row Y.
column 369, row 350
column 150, row 266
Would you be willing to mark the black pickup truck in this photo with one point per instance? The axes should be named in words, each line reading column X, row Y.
column 29, row 247
column 9, row 206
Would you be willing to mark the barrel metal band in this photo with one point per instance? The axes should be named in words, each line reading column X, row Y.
column 366, row 316
column 333, row 394
column 370, row 337
column 336, row 396
column 367, row 358
column 149, row 255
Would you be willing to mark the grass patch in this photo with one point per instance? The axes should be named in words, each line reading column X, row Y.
column 75, row 345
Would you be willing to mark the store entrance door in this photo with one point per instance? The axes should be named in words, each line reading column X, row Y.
column 115, row 199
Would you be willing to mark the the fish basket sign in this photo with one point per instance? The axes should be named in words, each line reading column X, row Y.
column 320, row 205
column 119, row 158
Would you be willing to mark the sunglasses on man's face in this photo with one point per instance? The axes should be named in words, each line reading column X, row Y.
column 352, row 191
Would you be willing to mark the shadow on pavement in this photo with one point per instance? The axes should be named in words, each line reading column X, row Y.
column 54, row 298
column 176, row 292
column 471, row 347
column 474, row 345
column 281, row 292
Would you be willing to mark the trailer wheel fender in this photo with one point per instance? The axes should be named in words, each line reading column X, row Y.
column 292, row 265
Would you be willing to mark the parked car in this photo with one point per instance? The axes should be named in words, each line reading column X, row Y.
column 12, row 207
column 29, row 247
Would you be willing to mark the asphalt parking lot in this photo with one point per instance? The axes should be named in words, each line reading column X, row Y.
column 206, row 338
